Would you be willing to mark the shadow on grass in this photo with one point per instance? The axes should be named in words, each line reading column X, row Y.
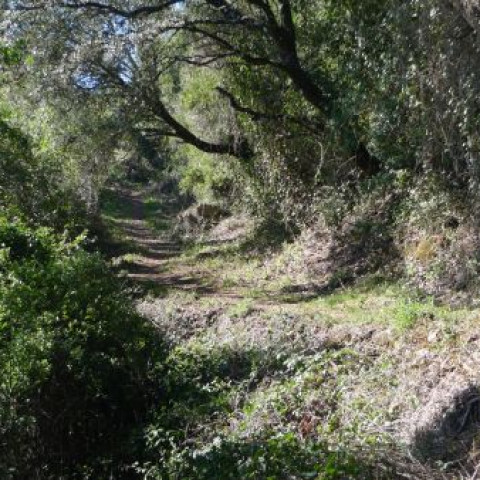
column 200, row 383
column 269, row 235
column 116, row 205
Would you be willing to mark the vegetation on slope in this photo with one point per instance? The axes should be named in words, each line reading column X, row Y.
column 336, row 338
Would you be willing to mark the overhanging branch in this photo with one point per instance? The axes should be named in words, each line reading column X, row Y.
column 264, row 116
column 239, row 149
column 100, row 7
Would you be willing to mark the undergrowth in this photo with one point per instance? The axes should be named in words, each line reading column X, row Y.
column 90, row 390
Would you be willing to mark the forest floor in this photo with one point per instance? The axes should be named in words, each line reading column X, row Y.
column 369, row 367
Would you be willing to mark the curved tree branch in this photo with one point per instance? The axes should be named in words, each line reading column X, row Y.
column 263, row 116
column 239, row 149
column 100, row 7
column 278, row 29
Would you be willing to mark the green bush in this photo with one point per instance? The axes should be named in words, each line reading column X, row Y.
column 274, row 457
column 77, row 364
column 207, row 178
column 35, row 187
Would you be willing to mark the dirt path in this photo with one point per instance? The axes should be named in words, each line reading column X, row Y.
column 150, row 261
column 156, row 260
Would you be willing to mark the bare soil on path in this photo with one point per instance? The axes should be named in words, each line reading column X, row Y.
column 152, row 251
column 154, row 259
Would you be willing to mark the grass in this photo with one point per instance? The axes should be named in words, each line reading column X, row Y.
column 265, row 358
column 156, row 215
column 262, row 284
column 389, row 305
column 243, row 308
column 116, row 209
column 115, row 206
column 265, row 376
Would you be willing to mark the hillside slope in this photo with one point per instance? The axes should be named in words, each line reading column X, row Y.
column 384, row 378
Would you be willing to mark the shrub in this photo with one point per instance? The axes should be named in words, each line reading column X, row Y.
column 275, row 457
column 206, row 178
column 77, row 364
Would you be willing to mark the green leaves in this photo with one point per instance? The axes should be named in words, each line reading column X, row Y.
column 11, row 55
column 77, row 364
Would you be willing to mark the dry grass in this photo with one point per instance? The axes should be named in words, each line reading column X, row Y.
column 370, row 367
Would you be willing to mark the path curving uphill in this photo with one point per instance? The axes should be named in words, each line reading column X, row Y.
column 151, row 251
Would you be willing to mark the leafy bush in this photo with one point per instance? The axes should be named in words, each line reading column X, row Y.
column 207, row 179
column 77, row 364
column 35, row 187
column 277, row 457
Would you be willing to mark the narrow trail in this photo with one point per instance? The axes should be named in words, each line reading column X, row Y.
column 155, row 259
column 150, row 264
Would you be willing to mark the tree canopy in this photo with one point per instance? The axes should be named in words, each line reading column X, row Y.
column 352, row 122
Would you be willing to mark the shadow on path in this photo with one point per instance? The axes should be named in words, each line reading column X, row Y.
column 148, row 262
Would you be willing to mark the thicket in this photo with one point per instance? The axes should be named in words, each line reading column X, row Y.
column 361, row 116
column 286, row 108
column 88, row 388
column 78, row 366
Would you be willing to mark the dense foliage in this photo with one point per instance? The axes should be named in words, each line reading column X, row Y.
column 77, row 364
column 290, row 99
column 88, row 389
column 360, row 116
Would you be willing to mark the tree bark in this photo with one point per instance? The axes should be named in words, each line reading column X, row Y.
column 237, row 148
